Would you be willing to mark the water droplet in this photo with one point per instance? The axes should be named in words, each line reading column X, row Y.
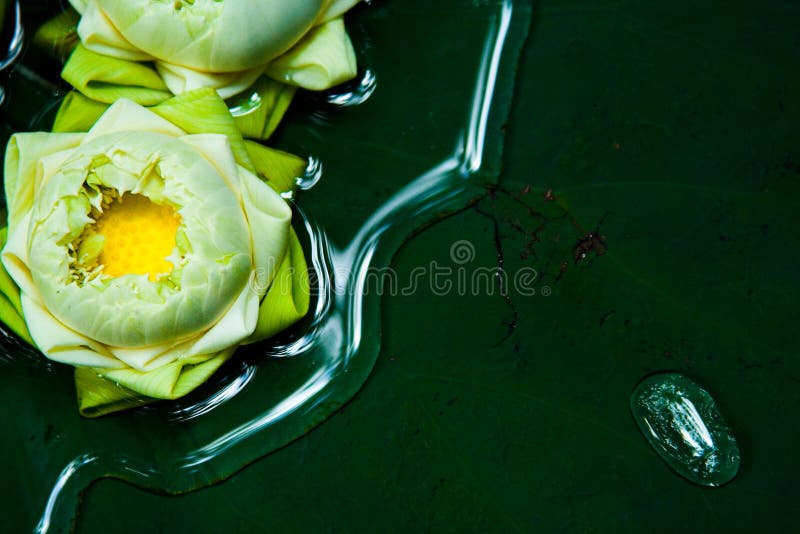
column 683, row 424
column 312, row 174
column 358, row 94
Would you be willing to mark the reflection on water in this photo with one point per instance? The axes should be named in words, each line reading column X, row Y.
column 321, row 268
column 11, row 36
column 312, row 175
column 364, row 87
column 332, row 337
column 177, row 412
column 12, row 33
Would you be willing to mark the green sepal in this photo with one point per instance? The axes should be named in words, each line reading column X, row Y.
column 58, row 37
column 323, row 59
column 78, row 113
column 107, row 79
column 10, row 306
column 202, row 111
column 195, row 112
column 104, row 391
column 99, row 396
column 260, row 109
column 289, row 294
column 278, row 169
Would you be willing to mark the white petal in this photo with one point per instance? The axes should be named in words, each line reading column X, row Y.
column 213, row 36
column 62, row 344
column 127, row 116
column 23, row 154
column 79, row 5
column 149, row 358
column 234, row 327
column 269, row 218
column 227, row 84
column 216, row 149
column 99, row 35
column 15, row 256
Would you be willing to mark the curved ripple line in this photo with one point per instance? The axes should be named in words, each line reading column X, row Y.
column 362, row 92
column 67, row 474
column 313, row 386
column 216, row 399
column 322, row 266
column 484, row 92
column 15, row 44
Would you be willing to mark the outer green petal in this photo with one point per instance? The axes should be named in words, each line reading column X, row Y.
column 287, row 299
column 12, row 319
column 170, row 381
column 78, row 113
column 7, row 286
column 258, row 112
column 107, row 79
column 10, row 305
column 323, row 59
column 280, row 170
column 203, row 111
column 58, row 36
column 98, row 396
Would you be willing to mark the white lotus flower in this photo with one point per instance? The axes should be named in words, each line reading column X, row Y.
column 134, row 244
column 212, row 43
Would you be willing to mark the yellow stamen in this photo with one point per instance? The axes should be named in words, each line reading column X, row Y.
column 139, row 235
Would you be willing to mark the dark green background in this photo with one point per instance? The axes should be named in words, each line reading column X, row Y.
column 672, row 130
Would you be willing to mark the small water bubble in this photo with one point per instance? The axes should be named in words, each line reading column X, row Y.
column 683, row 424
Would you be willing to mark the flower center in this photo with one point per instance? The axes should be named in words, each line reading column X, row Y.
column 139, row 235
